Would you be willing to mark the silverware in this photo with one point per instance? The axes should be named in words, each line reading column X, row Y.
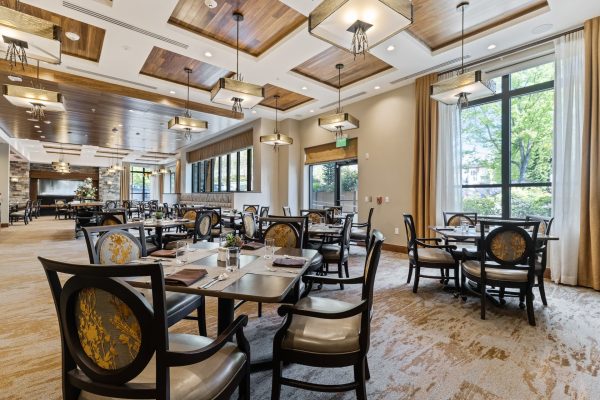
column 209, row 284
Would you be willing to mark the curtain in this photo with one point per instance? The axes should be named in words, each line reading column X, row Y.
column 329, row 152
column 125, row 181
column 449, row 182
column 161, row 187
column 589, row 244
column 425, row 156
column 568, row 119
column 227, row 145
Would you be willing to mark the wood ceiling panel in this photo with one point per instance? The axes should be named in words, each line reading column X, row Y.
column 438, row 23
column 287, row 100
column 265, row 23
column 166, row 65
column 321, row 67
column 91, row 38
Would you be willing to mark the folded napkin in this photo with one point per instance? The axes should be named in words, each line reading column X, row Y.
column 288, row 262
column 252, row 246
column 185, row 277
column 164, row 253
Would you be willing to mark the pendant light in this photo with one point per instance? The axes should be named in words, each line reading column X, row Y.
column 372, row 21
column 276, row 139
column 466, row 85
column 340, row 121
column 186, row 123
column 61, row 166
column 234, row 91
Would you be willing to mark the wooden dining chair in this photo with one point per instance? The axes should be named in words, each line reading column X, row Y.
column 328, row 333
column 361, row 231
column 454, row 218
column 542, row 253
column 251, row 208
column 202, row 227
column 335, row 249
column 431, row 256
column 507, row 260
column 115, row 245
column 250, row 230
column 287, row 212
column 115, row 343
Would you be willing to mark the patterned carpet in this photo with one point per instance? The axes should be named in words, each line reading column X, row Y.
column 424, row 346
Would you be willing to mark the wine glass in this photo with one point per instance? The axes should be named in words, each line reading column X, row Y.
column 233, row 259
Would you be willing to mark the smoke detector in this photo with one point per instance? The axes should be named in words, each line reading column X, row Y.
column 210, row 3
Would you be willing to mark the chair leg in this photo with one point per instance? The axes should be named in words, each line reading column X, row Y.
column 417, row 275
column 346, row 269
column 410, row 269
column 463, row 287
column 367, row 372
column 244, row 387
column 456, row 273
column 359, row 378
column 540, row 279
column 276, row 383
column 483, row 299
column 259, row 310
column 529, row 299
column 201, row 314
column 340, row 274
column 522, row 299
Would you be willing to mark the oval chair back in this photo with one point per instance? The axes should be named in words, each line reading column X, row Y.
column 251, row 208
column 509, row 245
column 457, row 218
column 264, row 211
column 286, row 231
column 287, row 212
column 109, row 331
column 203, row 226
column 249, row 223
column 114, row 244
column 112, row 218
column 191, row 215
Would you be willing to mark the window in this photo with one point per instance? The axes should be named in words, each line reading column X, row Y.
column 334, row 184
column 506, row 147
column 169, row 182
column 227, row 173
column 141, row 183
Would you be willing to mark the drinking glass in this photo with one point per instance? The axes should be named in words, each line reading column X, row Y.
column 233, row 259
column 269, row 248
column 322, row 220
column 180, row 256
column 464, row 227
column 223, row 240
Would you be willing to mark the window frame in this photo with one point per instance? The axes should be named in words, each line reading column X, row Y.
column 145, row 177
column 231, row 180
column 505, row 97
column 337, row 183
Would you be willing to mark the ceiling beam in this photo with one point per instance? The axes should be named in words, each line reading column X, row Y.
column 107, row 87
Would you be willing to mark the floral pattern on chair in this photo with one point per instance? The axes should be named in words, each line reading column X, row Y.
column 508, row 246
column 108, row 331
column 191, row 215
column 284, row 235
column 118, row 248
column 314, row 217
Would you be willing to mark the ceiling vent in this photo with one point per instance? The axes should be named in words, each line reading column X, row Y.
column 112, row 78
column 344, row 99
column 431, row 69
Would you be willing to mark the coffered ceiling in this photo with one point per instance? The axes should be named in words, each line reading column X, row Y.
column 287, row 98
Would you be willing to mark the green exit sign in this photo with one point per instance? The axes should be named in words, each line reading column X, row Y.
column 341, row 142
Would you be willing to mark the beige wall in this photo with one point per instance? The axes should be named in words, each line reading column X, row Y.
column 386, row 133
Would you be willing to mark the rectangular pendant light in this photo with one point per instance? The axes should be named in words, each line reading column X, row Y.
column 226, row 89
column 25, row 96
column 183, row 123
column 471, row 83
column 276, row 139
column 343, row 120
column 333, row 20
column 39, row 38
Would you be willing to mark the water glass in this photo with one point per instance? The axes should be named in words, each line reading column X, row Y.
column 233, row 259
column 223, row 240
column 180, row 256
column 269, row 248
column 464, row 227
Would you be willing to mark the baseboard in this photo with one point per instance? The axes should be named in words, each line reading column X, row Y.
column 395, row 247
column 4, row 225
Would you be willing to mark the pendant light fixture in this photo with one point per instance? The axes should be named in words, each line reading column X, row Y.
column 276, row 139
column 186, row 123
column 340, row 121
column 466, row 85
column 234, row 91
column 371, row 22
column 61, row 166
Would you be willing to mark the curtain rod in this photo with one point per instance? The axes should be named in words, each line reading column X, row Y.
column 514, row 50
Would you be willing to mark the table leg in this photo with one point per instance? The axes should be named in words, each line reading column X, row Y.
column 159, row 233
column 225, row 314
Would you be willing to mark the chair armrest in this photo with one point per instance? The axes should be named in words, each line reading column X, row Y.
column 332, row 280
column 287, row 309
column 360, row 225
column 430, row 246
column 175, row 359
column 429, row 240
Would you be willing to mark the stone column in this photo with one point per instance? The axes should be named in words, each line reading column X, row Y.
column 4, row 182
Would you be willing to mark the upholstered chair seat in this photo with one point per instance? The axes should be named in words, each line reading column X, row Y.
column 200, row 381
column 433, row 256
column 358, row 234
column 318, row 335
column 331, row 252
column 474, row 268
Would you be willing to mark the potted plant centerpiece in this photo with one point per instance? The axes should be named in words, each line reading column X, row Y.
column 231, row 240
column 86, row 190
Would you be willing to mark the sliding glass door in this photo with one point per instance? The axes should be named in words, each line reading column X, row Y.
column 334, row 184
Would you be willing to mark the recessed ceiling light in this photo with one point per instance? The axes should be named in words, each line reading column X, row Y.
column 172, row 91
column 42, row 137
column 36, row 126
column 120, row 125
column 491, row 46
column 542, row 29
column 304, row 88
column 377, row 87
column 391, row 47
column 47, row 122
column 253, row 111
column 312, row 111
column 15, row 78
column 207, row 54
column 178, row 138
column 72, row 36
column 39, row 131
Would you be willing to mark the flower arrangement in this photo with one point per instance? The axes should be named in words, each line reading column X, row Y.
column 233, row 241
column 86, row 189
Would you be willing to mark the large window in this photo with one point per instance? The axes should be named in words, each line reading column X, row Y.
column 334, row 184
column 169, row 182
column 141, row 183
column 227, row 173
column 506, row 142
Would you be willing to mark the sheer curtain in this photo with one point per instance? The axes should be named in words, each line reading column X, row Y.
column 448, row 188
column 568, row 127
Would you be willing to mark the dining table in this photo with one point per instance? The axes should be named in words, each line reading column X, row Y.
column 256, row 280
column 472, row 234
column 159, row 225
column 325, row 229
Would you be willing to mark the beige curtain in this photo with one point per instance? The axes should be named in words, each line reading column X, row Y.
column 125, row 181
column 161, row 187
column 177, row 177
column 227, row 145
column 425, row 155
column 589, row 242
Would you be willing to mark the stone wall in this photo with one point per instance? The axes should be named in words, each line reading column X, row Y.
column 109, row 185
column 19, row 182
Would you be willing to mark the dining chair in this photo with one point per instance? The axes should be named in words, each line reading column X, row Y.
column 316, row 216
column 60, row 208
column 542, row 253
column 432, row 256
column 361, row 231
column 249, row 226
column 264, row 211
column 507, row 260
column 202, row 230
column 287, row 212
column 116, row 245
column 334, row 214
column 35, row 212
column 24, row 214
column 115, row 343
column 336, row 250
column 252, row 208
column 328, row 333
column 109, row 205
column 285, row 231
column 454, row 218
column 112, row 218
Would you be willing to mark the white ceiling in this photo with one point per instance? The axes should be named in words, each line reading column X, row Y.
column 124, row 51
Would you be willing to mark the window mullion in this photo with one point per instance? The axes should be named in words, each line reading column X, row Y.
column 506, row 129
